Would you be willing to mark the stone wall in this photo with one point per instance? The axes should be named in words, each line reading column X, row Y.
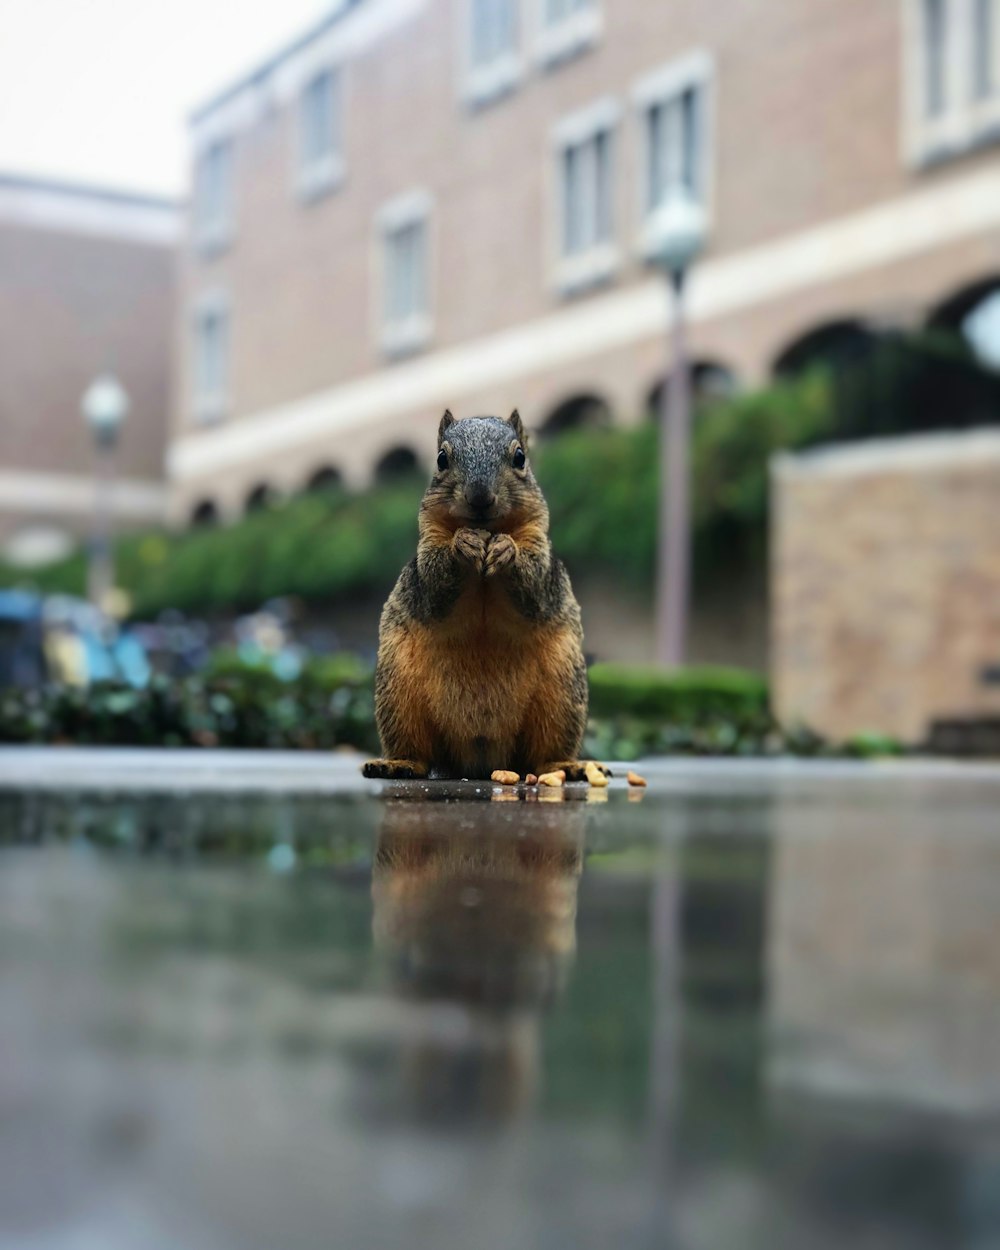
column 885, row 573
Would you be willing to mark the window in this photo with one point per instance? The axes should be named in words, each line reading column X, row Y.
column 586, row 193
column 493, row 38
column 935, row 56
column 494, row 30
column 986, row 77
column 211, row 359
column 953, row 75
column 566, row 27
column 213, row 206
column 320, row 154
column 673, row 108
column 406, row 321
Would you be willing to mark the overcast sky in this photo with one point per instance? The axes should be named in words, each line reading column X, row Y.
column 98, row 90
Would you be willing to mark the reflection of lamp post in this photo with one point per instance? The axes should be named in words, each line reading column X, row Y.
column 104, row 406
column 678, row 229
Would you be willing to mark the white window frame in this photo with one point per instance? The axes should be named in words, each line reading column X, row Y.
column 695, row 71
column 214, row 234
column 966, row 121
column 211, row 405
column 578, row 271
column 483, row 82
column 401, row 336
column 316, row 176
column 559, row 40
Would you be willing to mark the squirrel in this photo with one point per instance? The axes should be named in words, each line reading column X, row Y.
column 480, row 661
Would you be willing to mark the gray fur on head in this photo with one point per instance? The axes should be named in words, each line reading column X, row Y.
column 480, row 447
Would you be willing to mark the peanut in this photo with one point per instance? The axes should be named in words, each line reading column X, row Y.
column 594, row 775
column 531, row 780
column 635, row 780
column 555, row 780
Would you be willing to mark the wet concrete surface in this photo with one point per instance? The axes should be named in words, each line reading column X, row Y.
column 266, row 1004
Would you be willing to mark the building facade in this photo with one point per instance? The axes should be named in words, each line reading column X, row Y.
column 449, row 202
column 87, row 284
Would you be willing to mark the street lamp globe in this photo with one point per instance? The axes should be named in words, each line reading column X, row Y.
column 105, row 406
column 678, row 230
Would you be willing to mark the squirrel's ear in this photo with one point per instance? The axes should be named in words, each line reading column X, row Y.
column 446, row 421
column 517, row 425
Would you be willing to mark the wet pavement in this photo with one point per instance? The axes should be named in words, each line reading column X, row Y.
column 748, row 1007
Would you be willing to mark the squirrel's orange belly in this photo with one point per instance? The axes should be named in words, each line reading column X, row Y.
column 479, row 691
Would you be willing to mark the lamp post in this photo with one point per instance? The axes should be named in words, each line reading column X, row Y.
column 678, row 229
column 105, row 406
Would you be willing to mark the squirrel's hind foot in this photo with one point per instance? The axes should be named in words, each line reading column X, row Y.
column 575, row 770
column 394, row 770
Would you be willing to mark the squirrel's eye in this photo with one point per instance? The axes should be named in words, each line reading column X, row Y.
column 442, row 460
column 519, row 458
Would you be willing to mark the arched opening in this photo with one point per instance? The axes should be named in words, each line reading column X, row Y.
column 901, row 380
column 581, row 412
column 325, row 479
column 710, row 383
column 836, row 345
column 204, row 514
column 399, row 462
column 260, row 498
column 974, row 313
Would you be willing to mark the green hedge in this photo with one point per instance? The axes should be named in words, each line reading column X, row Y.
column 239, row 707
column 693, row 696
column 602, row 487
column 602, row 492
column 634, row 712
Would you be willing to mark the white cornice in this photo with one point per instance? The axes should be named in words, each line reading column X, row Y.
column 894, row 231
column 71, row 494
column 74, row 210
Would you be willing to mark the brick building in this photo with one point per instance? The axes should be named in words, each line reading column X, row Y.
column 87, row 283
column 430, row 202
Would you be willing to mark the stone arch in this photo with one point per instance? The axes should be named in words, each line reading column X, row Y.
column 710, row 381
column 973, row 311
column 834, row 344
column 578, row 412
column 262, row 496
column 397, row 462
column 325, row 478
column 204, row 514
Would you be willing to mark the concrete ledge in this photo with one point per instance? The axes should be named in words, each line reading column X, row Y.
column 185, row 771
column 905, row 453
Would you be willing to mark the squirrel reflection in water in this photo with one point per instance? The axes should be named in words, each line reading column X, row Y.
column 475, row 905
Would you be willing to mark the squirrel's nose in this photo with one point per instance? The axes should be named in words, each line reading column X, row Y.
column 479, row 495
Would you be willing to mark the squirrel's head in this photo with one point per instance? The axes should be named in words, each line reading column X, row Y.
column 482, row 476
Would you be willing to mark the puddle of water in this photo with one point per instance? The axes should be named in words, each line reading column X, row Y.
column 766, row 1017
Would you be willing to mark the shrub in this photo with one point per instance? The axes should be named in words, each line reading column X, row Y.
column 601, row 487
column 234, row 706
column 693, row 696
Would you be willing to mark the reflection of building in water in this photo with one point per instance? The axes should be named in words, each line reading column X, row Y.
column 478, row 917
column 884, row 959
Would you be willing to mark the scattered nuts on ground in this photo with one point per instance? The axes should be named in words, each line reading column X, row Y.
column 552, row 779
column 635, row 780
column 531, row 780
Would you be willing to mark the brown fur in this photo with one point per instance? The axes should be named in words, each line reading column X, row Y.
column 480, row 662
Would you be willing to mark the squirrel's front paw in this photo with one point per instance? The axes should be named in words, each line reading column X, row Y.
column 471, row 545
column 500, row 554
